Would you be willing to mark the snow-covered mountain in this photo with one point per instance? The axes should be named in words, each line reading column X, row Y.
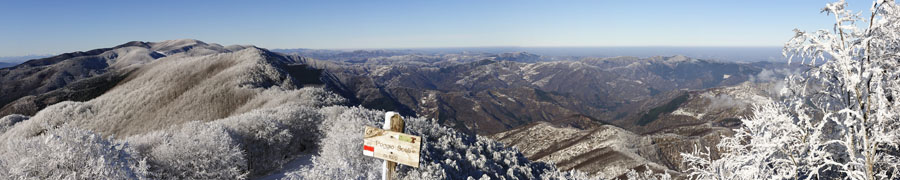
column 37, row 83
column 699, row 121
column 189, row 109
column 604, row 150
column 490, row 96
column 667, row 105
column 185, row 109
column 8, row 61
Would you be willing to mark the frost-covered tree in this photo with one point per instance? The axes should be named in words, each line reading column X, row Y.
column 446, row 153
column 647, row 174
column 199, row 151
column 69, row 153
column 238, row 147
column 270, row 137
column 837, row 120
column 8, row 121
column 769, row 145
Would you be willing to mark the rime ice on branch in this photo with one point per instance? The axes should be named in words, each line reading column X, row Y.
column 838, row 120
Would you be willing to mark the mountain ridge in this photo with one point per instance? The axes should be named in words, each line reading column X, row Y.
column 173, row 86
column 490, row 89
column 204, row 114
column 35, row 77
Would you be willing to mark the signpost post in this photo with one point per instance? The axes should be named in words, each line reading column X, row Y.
column 392, row 145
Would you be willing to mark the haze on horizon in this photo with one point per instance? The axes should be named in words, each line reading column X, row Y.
column 52, row 27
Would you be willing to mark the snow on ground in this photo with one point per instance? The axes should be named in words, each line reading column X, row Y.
column 683, row 112
column 296, row 164
column 232, row 115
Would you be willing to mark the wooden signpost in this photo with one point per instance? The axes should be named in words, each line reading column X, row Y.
column 392, row 145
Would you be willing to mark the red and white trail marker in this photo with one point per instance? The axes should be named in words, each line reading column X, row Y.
column 368, row 150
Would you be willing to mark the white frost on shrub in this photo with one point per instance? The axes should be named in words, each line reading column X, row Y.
column 198, row 151
column 69, row 153
column 232, row 115
column 8, row 121
column 446, row 153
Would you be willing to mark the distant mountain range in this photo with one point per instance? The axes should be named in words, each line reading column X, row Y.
column 602, row 115
column 726, row 54
column 186, row 109
column 650, row 109
column 699, row 120
column 15, row 60
column 489, row 95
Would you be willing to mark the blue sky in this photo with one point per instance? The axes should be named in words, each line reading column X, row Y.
column 51, row 27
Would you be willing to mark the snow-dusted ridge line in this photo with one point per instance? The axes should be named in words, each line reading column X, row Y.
column 210, row 113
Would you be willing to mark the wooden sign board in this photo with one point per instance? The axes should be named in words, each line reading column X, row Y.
column 392, row 146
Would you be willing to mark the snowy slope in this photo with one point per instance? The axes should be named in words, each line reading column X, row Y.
column 40, row 82
column 605, row 151
column 233, row 114
column 490, row 96
column 700, row 121
column 174, row 90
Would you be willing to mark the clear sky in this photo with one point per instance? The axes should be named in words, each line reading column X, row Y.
column 51, row 27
